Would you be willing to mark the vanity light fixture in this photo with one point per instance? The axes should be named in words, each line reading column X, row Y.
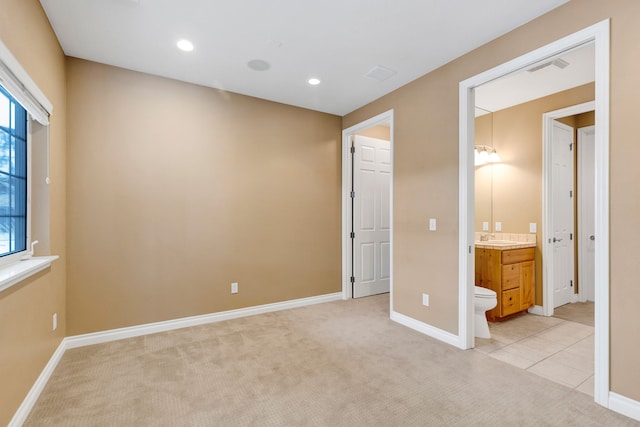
column 484, row 154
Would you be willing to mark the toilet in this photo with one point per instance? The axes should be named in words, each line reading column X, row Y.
column 483, row 300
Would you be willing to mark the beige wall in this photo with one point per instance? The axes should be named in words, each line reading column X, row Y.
column 26, row 339
column 379, row 132
column 177, row 190
column 514, row 187
column 426, row 174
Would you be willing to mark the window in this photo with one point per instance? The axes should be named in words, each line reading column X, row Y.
column 13, row 175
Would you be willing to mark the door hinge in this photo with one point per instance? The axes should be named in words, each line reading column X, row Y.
column 353, row 235
column 571, row 147
column 353, row 149
column 570, row 236
column 571, row 283
column 570, row 193
column 353, row 194
column 353, row 279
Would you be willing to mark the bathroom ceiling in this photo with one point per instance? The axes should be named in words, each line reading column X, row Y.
column 565, row 71
column 359, row 49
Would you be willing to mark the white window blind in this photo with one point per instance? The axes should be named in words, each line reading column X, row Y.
column 17, row 82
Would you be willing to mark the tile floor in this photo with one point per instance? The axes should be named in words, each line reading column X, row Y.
column 557, row 349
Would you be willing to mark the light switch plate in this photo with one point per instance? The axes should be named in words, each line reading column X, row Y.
column 485, row 226
column 498, row 226
column 425, row 300
column 533, row 227
column 432, row 224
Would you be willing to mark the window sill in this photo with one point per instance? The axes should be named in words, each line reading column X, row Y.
column 15, row 272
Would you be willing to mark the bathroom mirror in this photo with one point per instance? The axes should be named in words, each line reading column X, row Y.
column 483, row 173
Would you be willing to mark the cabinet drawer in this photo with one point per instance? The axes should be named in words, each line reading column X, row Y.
column 510, row 302
column 510, row 276
column 518, row 255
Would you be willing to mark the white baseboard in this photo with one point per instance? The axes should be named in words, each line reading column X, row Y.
column 32, row 397
column 625, row 406
column 150, row 328
column 536, row 309
column 185, row 322
column 426, row 329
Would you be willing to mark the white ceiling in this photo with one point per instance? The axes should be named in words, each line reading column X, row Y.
column 524, row 86
column 338, row 41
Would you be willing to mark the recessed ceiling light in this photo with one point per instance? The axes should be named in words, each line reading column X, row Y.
column 185, row 45
column 258, row 65
column 313, row 81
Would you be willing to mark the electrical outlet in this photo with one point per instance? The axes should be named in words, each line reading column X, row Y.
column 55, row 321
column 425, row 300
column 498, row 226
column 234, row 288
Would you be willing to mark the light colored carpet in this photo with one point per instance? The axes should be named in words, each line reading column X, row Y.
column 579, row 312
column 336, row 364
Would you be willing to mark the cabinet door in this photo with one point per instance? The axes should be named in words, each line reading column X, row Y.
column 527, row 284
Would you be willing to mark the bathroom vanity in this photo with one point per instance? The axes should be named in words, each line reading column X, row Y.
column 509, row 270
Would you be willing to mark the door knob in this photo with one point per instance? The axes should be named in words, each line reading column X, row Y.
column 556, row 240
column 592, row 237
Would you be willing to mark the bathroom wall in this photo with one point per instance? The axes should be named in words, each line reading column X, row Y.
column 516, row 182
column 177, row 190
column 426, row 174
column 26, row 309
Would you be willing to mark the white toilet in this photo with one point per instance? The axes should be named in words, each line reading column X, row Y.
column 483, row 299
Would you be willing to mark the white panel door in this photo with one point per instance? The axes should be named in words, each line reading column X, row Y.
column 563, row 213
column 371, row 216
column 586, row 211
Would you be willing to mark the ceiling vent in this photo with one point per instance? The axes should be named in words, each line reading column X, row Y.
column 380, row 73
column 560, row 63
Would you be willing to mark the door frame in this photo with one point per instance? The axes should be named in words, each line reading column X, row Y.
column 581, row 243
column 599, row 34
column 347, row 134
column 547, row 205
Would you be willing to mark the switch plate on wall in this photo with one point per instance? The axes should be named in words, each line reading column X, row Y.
column 425, row 300
column 54, row 322
column 498, row 226
column 533, row 227
column 485, row 226
column 432, row 224
column 234, row 288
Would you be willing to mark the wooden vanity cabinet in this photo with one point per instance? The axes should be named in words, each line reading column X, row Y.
column 511, row 274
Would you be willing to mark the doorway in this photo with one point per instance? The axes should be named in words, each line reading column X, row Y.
column 367, row 219
column 370, row 226
column 598, row 34
column 559, row 249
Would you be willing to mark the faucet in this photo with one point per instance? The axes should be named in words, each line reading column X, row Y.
column 486, row 237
